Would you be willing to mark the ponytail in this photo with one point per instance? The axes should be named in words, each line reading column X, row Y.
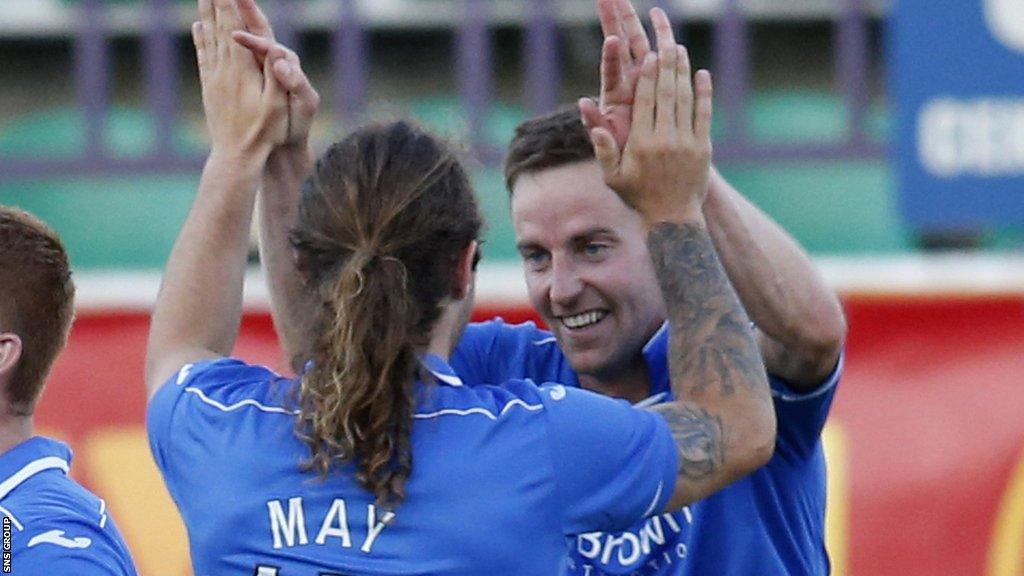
column 382, row 224
column 357, row 397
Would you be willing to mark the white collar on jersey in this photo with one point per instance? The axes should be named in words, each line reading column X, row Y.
column 440, row 369
column 434, row 364
column 31, row 469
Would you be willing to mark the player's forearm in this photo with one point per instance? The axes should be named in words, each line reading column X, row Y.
column 290, row 301
column 722, row 418
column 780, row 287
column 200, row 301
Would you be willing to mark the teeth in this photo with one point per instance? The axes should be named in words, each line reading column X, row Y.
column 584, row 320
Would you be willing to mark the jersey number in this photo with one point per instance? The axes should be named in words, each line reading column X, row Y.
column 263, row 570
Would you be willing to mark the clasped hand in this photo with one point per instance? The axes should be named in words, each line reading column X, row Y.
column 246, row 108
column 663, row 168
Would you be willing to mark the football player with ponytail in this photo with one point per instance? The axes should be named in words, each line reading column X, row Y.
column 378, row 458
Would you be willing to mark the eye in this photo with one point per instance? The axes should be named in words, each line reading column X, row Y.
column 595, row 249
column 535, row 259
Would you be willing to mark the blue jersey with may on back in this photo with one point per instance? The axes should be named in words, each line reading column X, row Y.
column 501, row 476
column 768, row 523
column 55, row 526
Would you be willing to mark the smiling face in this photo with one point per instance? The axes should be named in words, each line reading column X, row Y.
column 588, row 271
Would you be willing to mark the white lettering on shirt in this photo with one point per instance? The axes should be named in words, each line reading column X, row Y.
column 290, row 528
column 328, row 527
column 633, row 547
column 374, row 527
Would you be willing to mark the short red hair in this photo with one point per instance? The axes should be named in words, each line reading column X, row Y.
column 36, row 300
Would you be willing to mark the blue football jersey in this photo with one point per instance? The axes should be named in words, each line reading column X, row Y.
column 55, row 526
column 768, row 523
column 501, row 476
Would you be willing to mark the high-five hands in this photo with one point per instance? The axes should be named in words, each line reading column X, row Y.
column 246, row 111
column 663, row 168
column 623, row 52
column 303, row 99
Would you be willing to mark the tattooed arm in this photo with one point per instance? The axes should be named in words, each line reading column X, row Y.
column 722, row 418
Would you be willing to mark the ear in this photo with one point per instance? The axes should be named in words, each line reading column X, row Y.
column 10, row 352
column 464, row 272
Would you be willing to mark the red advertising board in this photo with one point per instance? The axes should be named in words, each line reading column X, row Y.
column 925, row 442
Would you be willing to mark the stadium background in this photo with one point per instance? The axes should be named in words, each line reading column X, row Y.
column 101, row 135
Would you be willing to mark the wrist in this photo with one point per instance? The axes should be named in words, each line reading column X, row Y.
column 245, row 160
column 235, row 164
column 689, row 212
column 290, row 160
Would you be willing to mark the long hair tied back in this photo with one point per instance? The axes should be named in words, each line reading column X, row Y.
column 382, row 222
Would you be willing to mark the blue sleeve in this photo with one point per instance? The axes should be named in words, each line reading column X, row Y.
column 494, row 352
column 68, row 549
column 801, row 416
column 614, row 464
column 183, row 418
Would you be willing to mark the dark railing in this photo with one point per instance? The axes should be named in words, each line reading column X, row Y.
column 473, row 64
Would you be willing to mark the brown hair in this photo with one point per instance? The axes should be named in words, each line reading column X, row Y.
column 36, row 300
column 382, row 223
column 548, row 141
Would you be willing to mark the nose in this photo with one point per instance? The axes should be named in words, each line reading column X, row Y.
column 566, row 284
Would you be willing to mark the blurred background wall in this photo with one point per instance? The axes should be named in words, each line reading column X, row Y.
column 888, row 137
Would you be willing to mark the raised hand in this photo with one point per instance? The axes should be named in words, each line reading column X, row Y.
column 246, row 111
column 624, row 49
column 303, row 99
column 663, row 169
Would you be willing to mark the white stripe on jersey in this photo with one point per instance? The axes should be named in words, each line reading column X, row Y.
column 103, row 513
column 247, row 402
column 482, row 411
column 31, row 469
column 657, row 496
column 14, row 520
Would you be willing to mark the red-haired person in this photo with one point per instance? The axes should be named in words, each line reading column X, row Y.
column 54, row 525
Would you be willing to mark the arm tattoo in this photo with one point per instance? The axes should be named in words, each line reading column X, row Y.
column 712, row 346
column 712, row 343
column 698, row 436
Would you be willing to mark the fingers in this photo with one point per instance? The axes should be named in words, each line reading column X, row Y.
column 198, row 39
column 272, row 87
column 608, row 16
column 606, row 151
column 288, row 72
column 684, row 106
column 611, row 64
column 208, row 22
column 667, row 57
column 226, row 16
column 258, row 45
column 227, row 21
column 590, row 114
column 645, row 98
column 303, row 99
column 702, row 107
column 254, row 19
column 636, row 36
